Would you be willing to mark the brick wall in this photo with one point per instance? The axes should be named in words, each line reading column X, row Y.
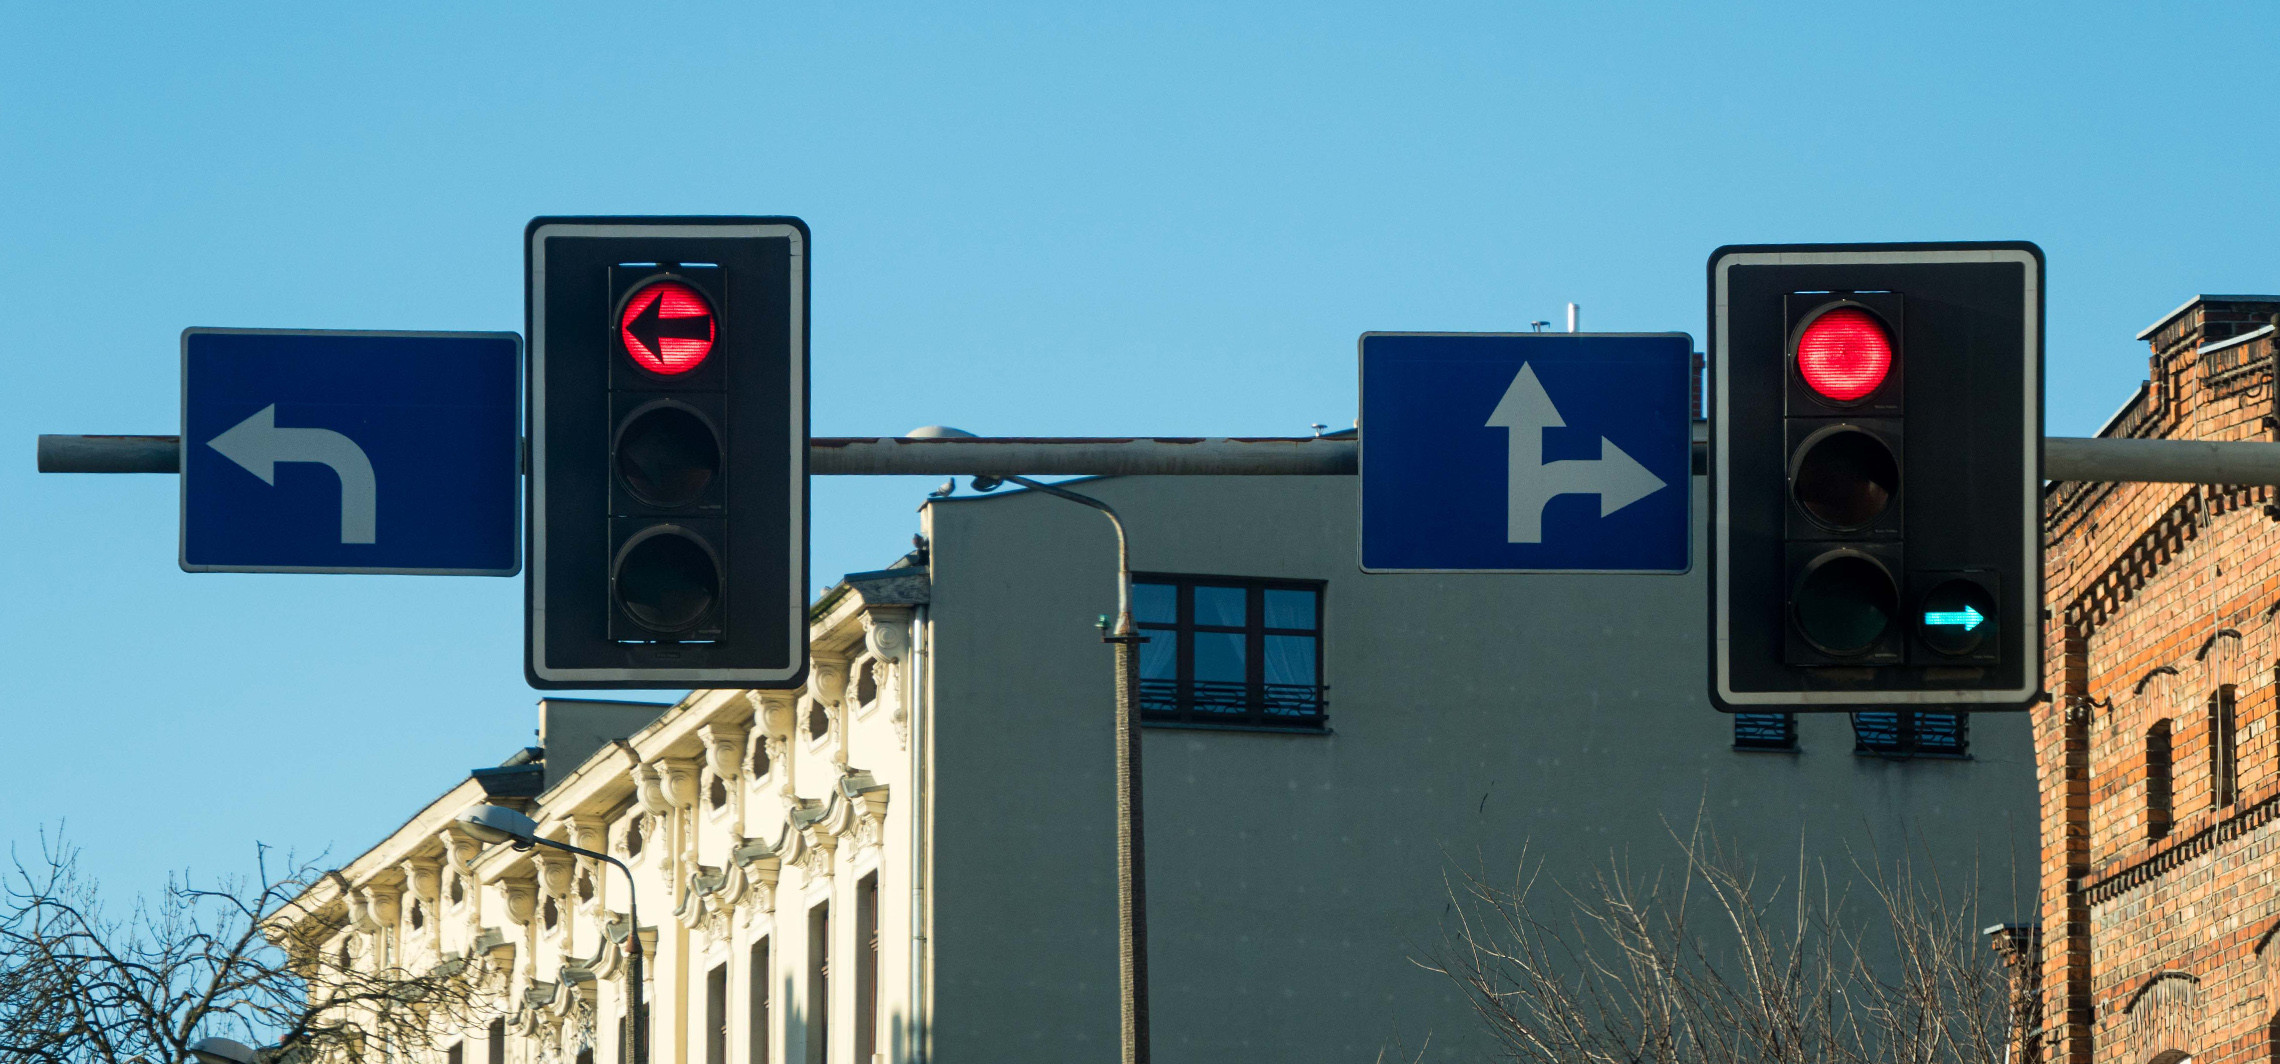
column 2165, row 616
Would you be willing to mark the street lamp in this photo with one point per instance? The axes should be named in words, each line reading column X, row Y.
column 1131, row 864
column 222, row 1051
column 497, row 823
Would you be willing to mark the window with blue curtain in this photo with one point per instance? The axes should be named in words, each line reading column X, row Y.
column 1230, row 651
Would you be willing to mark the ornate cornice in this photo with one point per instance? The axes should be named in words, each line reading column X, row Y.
column 724, row 748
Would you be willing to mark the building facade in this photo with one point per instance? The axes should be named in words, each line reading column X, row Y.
column 912, row 858
column 2159, row 771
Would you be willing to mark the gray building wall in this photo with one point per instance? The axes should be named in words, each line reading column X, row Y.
column 1292, row 877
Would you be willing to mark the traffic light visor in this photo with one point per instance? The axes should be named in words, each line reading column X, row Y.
column 1844, row 354
column 667, row 328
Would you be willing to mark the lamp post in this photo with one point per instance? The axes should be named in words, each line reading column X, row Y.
column 221, row 1051
column 1131, row 866
column 497, row 823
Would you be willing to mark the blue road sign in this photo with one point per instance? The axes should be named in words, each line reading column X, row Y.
column 350, row 452
column 1526, row 452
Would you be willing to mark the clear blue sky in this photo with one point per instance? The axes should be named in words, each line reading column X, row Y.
column 1029, row 219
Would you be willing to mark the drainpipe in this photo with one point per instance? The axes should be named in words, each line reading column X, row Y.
column 916, row 699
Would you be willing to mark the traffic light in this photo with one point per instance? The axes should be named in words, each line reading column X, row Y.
column 668, row 452
column 1875, row 476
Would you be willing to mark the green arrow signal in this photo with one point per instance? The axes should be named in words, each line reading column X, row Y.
column 1967, row 617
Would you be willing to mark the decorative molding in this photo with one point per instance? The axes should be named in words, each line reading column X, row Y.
column 866, row 805
column 2211, row 642
column 775, row 712
column 680, row 781
column 886, row 630
column 813, row 840
column 423, row 877
column 384, row 904
column 724, row 748
column 554, row 868
column 2158, row 670
column 520, row 892
column 759, row 865
column 459, row 848
column 649, row 789
column 827, row 679
column 591, row 833
column 2192, row 837
column 359, row 912
column 700, row 905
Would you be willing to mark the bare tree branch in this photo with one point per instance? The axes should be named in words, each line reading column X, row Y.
column 79, row 987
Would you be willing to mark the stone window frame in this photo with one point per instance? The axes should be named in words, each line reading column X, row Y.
column 816, row 740
column 870, row 669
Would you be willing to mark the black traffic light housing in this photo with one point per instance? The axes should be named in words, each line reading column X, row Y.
column 668, row 480
column 1875, row 476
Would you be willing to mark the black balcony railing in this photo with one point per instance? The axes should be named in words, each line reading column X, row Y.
column 1297, row 707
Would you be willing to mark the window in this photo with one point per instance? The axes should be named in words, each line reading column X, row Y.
column 1911, row 733
column 2157, row 780
column 867, row 684
column 2224, row 749
column 758, row 1013
column 495, row 1042
column 866, row 966
column 457, row 1054
column 1765, row 731
column 819, row 985
column 716, row 1015
column 626, row 1055
column 1229, row 651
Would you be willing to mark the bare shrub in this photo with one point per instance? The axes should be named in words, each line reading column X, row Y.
column 1706, row 961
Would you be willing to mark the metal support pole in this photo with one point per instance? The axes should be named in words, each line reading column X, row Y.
column 1131, row 859
column 2064, row 458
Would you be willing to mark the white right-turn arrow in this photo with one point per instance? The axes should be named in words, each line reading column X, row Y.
column 258, row 444
column 1526, row 411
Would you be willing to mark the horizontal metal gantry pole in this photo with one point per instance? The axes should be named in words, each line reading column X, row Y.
column 2064, row 457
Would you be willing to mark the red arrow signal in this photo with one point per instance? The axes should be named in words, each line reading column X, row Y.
column 667, row 328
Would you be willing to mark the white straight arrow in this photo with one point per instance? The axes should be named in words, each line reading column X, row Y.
column 1526, row 411
column 258, row 444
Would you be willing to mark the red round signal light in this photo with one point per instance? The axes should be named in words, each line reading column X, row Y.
column 667, row 328
column 1844, row 354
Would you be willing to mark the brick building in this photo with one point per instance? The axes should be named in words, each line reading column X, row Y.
column 2160, row 774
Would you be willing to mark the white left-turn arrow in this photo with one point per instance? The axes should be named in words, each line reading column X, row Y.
column 258, row 444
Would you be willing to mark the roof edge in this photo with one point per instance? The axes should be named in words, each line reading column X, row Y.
column 2252, row 334
column 2163, row 323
